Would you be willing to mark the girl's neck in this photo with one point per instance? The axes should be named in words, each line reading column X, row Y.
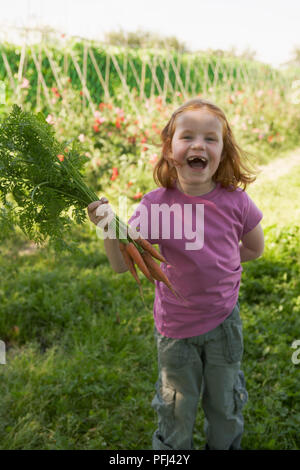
column 196, row 190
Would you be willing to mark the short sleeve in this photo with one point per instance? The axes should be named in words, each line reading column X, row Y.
column 252, row 216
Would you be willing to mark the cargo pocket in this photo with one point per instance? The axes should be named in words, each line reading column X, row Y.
column 240, row 392
column 233, row 344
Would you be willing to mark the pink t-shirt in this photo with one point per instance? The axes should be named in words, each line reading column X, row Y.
column 199, row 237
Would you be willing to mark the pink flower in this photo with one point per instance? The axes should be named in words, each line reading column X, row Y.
column 25, row 83
column 50, row 119
column 153, row 159
column 81, row 137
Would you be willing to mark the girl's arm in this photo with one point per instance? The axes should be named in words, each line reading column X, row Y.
column 111, row 246
column 252, row 244
column 114, row 255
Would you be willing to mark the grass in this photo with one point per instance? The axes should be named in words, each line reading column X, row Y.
column 81, row 360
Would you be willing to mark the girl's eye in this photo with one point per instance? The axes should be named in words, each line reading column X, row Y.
column 187, row 137
column 210, row 138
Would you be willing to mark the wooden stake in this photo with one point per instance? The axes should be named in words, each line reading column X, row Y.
column 101, row 79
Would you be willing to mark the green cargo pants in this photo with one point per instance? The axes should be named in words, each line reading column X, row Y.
column 207, row 365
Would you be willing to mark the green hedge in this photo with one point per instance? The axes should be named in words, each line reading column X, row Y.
column 198, row 65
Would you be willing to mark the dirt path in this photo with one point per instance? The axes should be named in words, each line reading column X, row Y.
column 278, row 167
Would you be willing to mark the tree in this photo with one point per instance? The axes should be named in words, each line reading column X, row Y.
column 144, row 39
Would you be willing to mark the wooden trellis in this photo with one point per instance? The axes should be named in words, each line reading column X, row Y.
column 187, row 79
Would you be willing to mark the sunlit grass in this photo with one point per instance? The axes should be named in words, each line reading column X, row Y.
column 81, row 359
column 278, row 198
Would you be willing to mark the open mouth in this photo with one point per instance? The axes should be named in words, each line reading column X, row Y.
column 197, row 162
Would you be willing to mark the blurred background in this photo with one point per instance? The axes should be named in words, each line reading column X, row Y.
column 80, row 358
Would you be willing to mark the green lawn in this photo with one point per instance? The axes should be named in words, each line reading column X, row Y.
column 81, row 359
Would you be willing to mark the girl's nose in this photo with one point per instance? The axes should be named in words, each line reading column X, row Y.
column 197, row 144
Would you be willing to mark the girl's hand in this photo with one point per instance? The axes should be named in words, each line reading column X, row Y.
column 92, row 210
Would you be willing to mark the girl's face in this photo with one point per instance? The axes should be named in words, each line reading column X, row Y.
column 197, row 145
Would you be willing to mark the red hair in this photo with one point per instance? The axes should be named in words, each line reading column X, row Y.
column 232, row 171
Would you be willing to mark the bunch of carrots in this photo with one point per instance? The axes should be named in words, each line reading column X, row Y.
column 44, row 181
column 138, row 251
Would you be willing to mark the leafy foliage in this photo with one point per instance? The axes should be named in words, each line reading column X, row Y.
column 40, row 179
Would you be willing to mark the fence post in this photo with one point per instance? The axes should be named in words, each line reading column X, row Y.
column 187, row 75
column 84, row 71
column 177, row 77
column 107, row 67
column 9, row 72
column 167, row 81
column 84, row 88
column 151, row 65
column 66, row 65
column 137, row 79
column 46, row 92
column 21, row 63
column 124, row 84
column 38, row 90
column 155, row 80
column 143, row 75
column 101, row 79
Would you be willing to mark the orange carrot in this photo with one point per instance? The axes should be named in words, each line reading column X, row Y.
column 150, row 248
column 156, row 271
column 137, row 258
column 129, row 262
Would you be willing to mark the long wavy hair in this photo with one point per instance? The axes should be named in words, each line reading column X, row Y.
column 232, row 171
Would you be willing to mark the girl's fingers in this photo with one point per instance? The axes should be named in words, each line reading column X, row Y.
column 93, row 205
column 98, row 209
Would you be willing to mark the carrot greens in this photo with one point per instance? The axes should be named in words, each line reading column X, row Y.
column 41, row 184
column 43, row 191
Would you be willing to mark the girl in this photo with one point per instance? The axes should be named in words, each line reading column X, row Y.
column 199, row 339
